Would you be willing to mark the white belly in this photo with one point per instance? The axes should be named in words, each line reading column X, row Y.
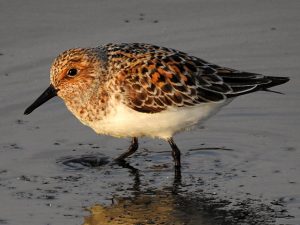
column 125, row 122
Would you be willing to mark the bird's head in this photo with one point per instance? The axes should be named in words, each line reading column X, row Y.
column 74, row 75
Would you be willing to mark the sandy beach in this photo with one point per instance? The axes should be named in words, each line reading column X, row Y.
column 240, row 167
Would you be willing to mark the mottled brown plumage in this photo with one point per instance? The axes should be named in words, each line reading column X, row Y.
column 154, row 78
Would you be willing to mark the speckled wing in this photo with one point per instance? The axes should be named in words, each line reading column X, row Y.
column 155, row 78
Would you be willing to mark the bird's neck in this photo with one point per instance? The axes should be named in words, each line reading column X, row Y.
column 93, row 107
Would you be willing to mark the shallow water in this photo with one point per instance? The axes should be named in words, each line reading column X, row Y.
column 241, row 167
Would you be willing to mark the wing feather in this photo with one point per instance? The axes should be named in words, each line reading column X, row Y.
column 154, row 78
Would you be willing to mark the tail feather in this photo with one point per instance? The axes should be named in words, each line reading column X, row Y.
column 242, row 83
column 275, row 81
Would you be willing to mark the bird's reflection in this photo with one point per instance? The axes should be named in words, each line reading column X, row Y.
column 141, row 209
column 176, row 203
column 136, row 174
column 145, row 207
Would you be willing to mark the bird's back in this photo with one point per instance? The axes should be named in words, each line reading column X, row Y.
column 155, row 78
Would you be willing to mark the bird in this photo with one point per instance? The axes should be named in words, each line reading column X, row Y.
column 133, row 90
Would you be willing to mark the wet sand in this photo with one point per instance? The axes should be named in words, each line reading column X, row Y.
column 240, row 167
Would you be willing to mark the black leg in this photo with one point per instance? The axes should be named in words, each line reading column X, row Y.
column 175, row 153
column 132, row 148
column 177, row 181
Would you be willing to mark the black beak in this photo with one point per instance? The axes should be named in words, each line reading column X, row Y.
column 48, row 94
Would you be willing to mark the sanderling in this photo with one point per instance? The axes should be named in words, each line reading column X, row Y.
column 135, row 90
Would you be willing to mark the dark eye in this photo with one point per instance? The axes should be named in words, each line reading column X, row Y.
column 72, row 72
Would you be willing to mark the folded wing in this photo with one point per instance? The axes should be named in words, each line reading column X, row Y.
column 155, row 78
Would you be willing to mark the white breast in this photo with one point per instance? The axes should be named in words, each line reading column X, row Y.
column 126, row 122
